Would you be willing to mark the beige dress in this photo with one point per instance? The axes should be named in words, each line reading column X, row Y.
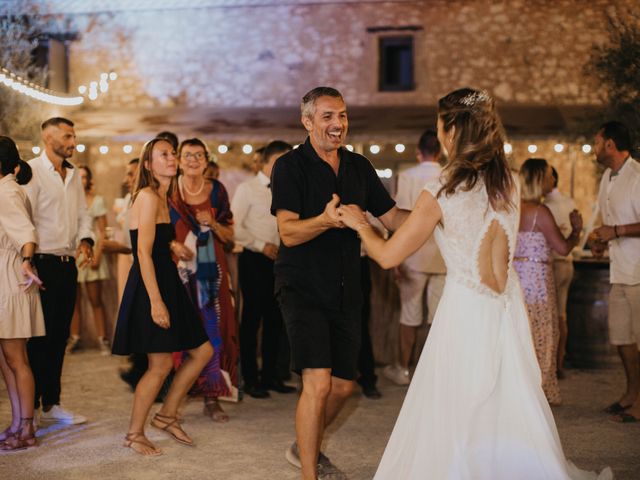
column 20, row 312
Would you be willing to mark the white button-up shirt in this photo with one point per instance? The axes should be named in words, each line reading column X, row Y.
column 411, row 183
column 561, row 207
column 254, row 226
column 59, row 207
column 619, row 202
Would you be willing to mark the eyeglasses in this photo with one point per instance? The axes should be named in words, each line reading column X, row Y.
column 198, row 156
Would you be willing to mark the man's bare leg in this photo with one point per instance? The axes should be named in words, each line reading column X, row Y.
column 631, row 362
column 407, row 341
column 310, row 418
column 341, row 390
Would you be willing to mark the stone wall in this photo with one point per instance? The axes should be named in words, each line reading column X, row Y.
column 238, row 55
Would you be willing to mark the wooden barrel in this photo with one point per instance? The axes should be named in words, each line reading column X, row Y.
column 587, row 311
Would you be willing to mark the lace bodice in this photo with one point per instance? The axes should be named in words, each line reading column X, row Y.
column 466, row 218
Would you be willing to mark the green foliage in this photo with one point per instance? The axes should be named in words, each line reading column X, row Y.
column 617, row 67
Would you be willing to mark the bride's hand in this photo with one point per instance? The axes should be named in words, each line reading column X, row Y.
column 352, row 216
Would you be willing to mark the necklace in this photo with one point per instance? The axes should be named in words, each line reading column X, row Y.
column 193, row 194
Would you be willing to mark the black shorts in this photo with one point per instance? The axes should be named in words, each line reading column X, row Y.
column 321, row 337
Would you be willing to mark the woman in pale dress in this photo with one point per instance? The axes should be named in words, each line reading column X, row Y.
column 20, row 310
column 475, row 408
column 537, row 236
column 93, row 274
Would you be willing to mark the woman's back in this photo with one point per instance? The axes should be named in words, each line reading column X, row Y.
column 477, row 242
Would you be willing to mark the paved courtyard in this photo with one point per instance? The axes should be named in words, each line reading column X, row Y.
column 251, row 446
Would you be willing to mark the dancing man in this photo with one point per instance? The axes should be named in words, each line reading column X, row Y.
column 318, row 267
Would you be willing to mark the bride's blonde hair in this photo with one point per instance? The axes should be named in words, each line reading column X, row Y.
column 478, row 146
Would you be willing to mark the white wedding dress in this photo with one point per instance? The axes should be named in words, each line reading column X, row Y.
column 475, row 408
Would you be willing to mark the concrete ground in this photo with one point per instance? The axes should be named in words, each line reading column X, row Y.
column 251, row 446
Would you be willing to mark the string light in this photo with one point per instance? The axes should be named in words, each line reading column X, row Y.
column 400, row 148
column 247, row 149
column 222, row 149
column 104, row 149
column 558, row 147
column 30, row 89
column 532, row 148
column 35, row 150
column 586, row 148
column 80, row 147
column 384, row 173
column 508, row 148
column 375, row 149
column 127, row 149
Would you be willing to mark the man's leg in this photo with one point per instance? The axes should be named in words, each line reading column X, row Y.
column 250, row 323
column 366, row 363
column 411, row 287
column 66, row 285
column 341, row 390
column 311, row 417
column 621, row 333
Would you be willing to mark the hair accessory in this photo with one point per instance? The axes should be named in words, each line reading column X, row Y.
column 472, row 99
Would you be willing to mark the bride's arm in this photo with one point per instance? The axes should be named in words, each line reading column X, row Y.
column 411, row 235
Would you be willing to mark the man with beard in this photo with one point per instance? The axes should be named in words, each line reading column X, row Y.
column 61, row 218
column 317, row 271
column 619, row 203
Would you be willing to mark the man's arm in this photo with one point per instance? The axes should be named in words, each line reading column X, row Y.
column 606, row 233
column 294, row 231
column 240, row 207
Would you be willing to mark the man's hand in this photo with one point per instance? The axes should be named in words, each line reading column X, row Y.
column 331, row 216
column 604, row 233
column 86, row 251
column 597, row 247
column 270, row 251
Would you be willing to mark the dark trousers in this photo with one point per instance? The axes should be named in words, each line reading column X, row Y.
column 258, row 304
column 366, row 363
column 46, row 354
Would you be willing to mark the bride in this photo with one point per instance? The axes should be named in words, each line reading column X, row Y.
column 475, row 408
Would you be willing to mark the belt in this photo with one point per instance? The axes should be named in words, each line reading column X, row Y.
column 58, row 258
column 530, row 259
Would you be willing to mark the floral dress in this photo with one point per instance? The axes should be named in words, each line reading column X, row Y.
column 534, row 265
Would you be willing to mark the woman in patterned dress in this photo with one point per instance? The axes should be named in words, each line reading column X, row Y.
column 538, row 233
column 202, row 217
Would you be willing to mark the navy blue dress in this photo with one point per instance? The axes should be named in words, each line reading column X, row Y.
column 135, row 331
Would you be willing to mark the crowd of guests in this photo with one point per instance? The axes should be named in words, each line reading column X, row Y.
column 175, row 272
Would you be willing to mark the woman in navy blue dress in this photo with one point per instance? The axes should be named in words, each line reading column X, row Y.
column 156, row 315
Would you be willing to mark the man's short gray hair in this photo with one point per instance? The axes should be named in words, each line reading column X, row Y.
column 308, row 105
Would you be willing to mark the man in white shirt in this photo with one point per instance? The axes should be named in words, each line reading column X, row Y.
column 561, row 207
column 63, row 226
column 257, row 231
column 424, row 269
column 619, row 203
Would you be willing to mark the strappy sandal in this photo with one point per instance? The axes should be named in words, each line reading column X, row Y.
column 169, row 422
column 17, row 441
column 213, row 409
column 131, row 438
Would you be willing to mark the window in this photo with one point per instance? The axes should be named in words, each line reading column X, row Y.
column 396, row 64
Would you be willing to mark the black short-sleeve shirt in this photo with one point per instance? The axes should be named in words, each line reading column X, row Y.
column 326, row 269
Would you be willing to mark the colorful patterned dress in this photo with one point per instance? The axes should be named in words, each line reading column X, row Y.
column 534, row 265
column 209, row 289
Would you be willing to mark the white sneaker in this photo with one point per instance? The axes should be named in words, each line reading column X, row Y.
column 397, row 374
column 57, row 414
